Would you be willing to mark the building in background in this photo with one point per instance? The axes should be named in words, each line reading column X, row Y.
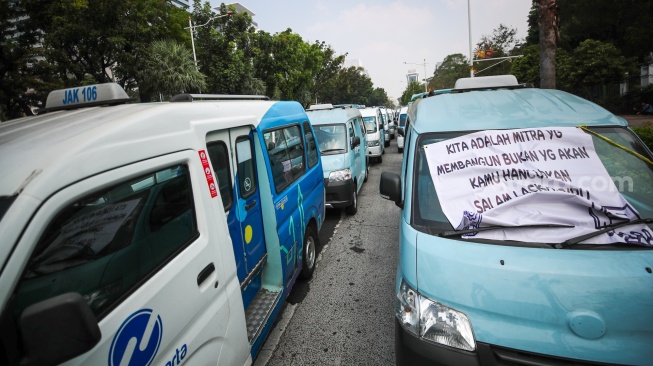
column 239, row 10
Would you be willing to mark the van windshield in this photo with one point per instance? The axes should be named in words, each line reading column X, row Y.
column 331, row 138
column 632, row 177
column 402, row 120
column 370, row 124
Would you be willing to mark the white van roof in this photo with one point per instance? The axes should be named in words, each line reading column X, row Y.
column 486, row 81
column 46, row 152
column 336, row 115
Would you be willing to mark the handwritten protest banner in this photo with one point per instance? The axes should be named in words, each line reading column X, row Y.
column 529, row 177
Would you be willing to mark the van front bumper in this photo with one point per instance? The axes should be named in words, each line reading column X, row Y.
column 410, row 350
column 339, row 193
column 374, row 151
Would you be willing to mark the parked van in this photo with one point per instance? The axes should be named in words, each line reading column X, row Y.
column 156, row 233
column 403, row 114
column 525, row 231
column 375, row 133
column 386, row 127
column 339, row 133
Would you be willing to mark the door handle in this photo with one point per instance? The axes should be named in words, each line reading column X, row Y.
column 205, row 273
column 250, row 205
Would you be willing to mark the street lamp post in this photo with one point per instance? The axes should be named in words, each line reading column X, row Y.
column 424, row 63
column 192, row 30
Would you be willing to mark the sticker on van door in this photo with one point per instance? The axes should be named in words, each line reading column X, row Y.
column 138, row 340
column 207, row 172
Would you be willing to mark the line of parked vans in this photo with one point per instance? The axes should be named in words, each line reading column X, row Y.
column 165, row 233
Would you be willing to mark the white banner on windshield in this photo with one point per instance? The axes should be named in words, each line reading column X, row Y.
column 530, row 177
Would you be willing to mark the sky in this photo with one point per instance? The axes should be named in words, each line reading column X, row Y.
column 391, row 38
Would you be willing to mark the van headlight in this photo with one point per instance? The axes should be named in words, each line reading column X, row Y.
column 340, row 175
column 373, row 143
column 433, row 321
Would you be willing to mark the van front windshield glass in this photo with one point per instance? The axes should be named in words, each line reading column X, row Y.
column 632, row 177
column 331, row 138
column 370, row 124
column 402, row 120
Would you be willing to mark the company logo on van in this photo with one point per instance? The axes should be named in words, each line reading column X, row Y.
column 138, row 340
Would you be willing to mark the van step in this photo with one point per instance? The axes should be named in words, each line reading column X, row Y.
column 259, row 311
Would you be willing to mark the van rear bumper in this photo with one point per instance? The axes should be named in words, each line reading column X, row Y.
column 338, row 194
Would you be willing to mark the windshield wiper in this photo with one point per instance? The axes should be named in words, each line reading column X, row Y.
column 445, row 234
column 606, row 229
column 331, row 150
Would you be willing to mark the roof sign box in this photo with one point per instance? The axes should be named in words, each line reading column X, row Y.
column 85, row 96
column 486, row 82
column 320, row 106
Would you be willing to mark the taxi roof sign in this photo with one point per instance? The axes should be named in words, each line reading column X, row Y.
column 85, row 96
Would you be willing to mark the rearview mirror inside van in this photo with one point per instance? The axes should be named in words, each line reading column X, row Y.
column 355, row 141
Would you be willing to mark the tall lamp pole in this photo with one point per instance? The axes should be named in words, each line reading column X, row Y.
column 424, row 63
column 192, row 31
column 469, row 22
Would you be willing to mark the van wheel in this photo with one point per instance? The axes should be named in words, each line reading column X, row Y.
column 380, row 159
column 400, row 150
column 308, row 259
column 367, row 171
column 351, row 209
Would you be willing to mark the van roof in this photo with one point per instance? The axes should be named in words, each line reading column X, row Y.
column 369, row 112
column 337, row 115
column 46, row 152
column 506, row 109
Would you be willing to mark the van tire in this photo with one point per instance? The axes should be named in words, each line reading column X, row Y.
column 380, row 159
column 351, row 209
column 309, row 256
column 367, row 171
column 400, row 150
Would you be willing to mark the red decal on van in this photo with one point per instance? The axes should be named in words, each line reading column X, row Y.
column 207, row 171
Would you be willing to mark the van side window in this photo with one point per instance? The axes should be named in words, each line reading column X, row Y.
column 219, row 156
column 286, row 153
column 350, row 128
column 362, row 126
column 107, row 243
column 311, row 145
column 246, row 169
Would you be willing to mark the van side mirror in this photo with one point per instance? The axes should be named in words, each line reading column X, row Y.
column 58, row 329
column 390, row 188
column 356, row 141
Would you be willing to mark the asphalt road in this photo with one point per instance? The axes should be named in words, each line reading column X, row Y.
column 344, row 314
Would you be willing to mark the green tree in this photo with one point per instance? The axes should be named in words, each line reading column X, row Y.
column 502, row 42
column 105, row 40
column 412, row 89
column 453, row 67
column 25, row 77
column 591, row 66
column 169, row 70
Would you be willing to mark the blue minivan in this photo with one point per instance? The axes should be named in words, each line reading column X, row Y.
column 342, row 143
column 525, row 231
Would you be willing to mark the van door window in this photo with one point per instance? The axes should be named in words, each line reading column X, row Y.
column 106, row 244
column 286, row 153
column 219, row 156
column 311, row 145
column 246, row 169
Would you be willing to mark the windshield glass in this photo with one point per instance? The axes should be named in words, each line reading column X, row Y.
column 632, row 177
column 370, row 124
column 331, row 138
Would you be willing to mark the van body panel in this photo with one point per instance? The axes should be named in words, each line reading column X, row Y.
column 536, row 292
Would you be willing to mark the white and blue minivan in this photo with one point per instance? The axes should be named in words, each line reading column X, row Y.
column 156, row 233
column 375, row 132
column 525, row 231
column 339, row 133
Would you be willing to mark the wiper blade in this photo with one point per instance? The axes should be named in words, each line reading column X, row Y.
column 606, row 229
column 331, row 150
column 445, row 234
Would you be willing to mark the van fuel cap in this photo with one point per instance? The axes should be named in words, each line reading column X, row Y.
column 586, row 324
